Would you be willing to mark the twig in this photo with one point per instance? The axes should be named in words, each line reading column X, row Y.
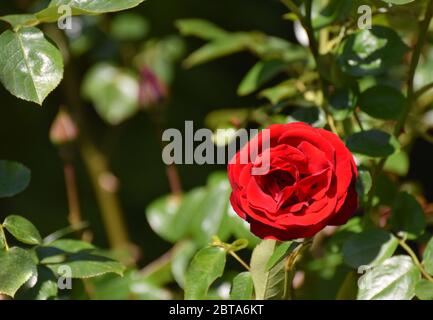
column 415, row 259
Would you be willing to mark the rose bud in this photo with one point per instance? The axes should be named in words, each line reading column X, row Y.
column 63, row 129
column 309, row 184
column 152, row 91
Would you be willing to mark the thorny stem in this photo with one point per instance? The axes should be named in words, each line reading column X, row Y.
column 74, row 216
column 415, row 259
column 94, row 160
column 172, row 173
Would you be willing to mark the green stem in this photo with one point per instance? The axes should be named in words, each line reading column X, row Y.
column 239, row 259
column 415, row 259
column 216, row 241
column 3, row 236
column 423, row 90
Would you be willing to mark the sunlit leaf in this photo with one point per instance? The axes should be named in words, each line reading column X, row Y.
column 201, row 29
column 371, row 51
column 84, row 265
column 424, row 290
column 242, row 288
column 16, row 268
column 22, row 229
column 113, row 91
column 261, row 73
column 268, row 284
column 31, row 66
column 394, row 279
column 207, row 266
column 428, row 257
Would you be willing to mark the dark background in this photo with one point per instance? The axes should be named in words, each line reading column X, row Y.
column 133, row 147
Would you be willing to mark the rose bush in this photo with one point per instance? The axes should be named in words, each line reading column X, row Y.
column 310, row 183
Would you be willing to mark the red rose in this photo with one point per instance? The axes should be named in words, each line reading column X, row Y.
column 310, row 183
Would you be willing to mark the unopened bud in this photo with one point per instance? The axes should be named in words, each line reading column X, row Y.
column 63, row 129
column 152, row 90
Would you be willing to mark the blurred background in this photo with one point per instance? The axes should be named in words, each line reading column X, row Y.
column 132, row 146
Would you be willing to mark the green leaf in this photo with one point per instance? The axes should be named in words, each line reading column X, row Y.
column 113, row 91
column 14, row 178
column 261, row 73
column 373, row 143
column 200, row 28
column 45, row 288
column 408, row 216
column 218, row 48
column 22, row 229
column 16, row 20
column 240, row 228
column 84, row 265
column 394, row 279
column 371, row 51
column 268, row 284
column 428, row 257
column 342, row 102
column 133, row 285
column 242, row 288
column 84, row 7
column 424, row 290
column 98, row 6
column 281, row 251
column 16, row 268
column 363, row 183
column 212, row 212
column 280, row 92
column 369, row 248
column 382, row 102
column 129, row 27
column 334, row 10
column 181, row 260
column 398, row 163
column 171, row 217
column 207, row 266
column 48, row 289
column 31, row 66
column 70, row 245
column 398, row 2
column 2, row 238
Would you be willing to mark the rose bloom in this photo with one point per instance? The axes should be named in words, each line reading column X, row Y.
column 310, row 183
